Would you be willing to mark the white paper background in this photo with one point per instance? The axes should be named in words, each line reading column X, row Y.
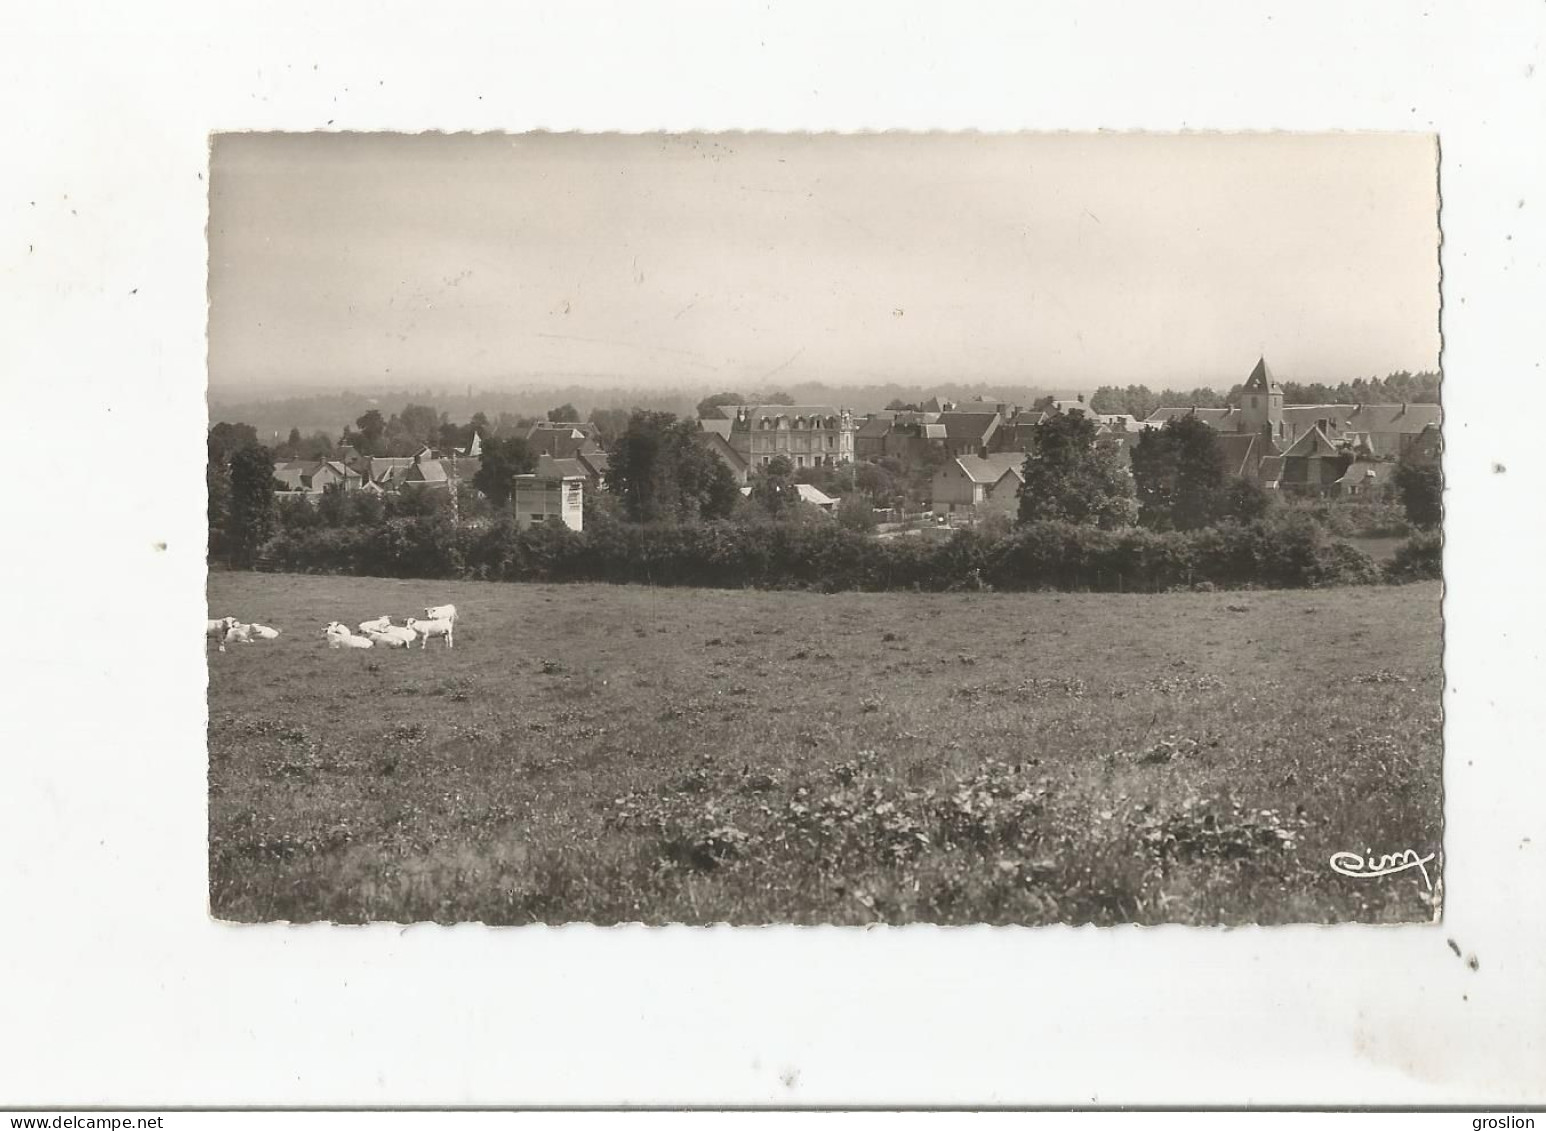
column 114, row 985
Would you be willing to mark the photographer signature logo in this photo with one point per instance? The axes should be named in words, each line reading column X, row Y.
column 1369, row 865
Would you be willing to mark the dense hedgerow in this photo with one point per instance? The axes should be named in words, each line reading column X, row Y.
column 1419, row 558
column 1291, row 552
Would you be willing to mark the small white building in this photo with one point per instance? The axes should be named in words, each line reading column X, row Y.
column 537, row 498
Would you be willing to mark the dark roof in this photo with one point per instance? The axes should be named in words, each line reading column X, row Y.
column 1027, row 419
column 1261, row 379
column 582, row 426
column 721, row 447
column 426, row 471
column 991, row 468
column 1271, row 469
column 1411, row 418
column 381, row 467
column 1363, row 470
column 549, row 467
column 1235, row 450
column 1218, row 417
column 875, row 427
column 1312, row 443
column 757, row 412
column 597, row 461
column 969, row 427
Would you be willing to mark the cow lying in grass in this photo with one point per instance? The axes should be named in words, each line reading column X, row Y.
column 339, row 636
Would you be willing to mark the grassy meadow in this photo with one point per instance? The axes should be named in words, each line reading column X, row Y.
column 619, row 754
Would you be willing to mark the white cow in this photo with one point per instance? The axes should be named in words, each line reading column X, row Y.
column 428, row 628
column 264, row 632
column 441, row 612
column 390, row 637
column 239, row 633
column 380, row 624
column 338, row 636
column 217, row 629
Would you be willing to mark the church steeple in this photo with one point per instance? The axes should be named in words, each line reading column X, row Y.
column 1261, row 380
column 1261, row 402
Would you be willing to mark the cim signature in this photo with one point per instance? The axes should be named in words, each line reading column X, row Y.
column 1352, row 864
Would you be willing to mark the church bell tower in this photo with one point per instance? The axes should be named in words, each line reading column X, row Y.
column 1261, row 402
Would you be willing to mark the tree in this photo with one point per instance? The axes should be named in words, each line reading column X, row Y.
column 1178, row 474
column 225, row 440
column 334, row 508
column 419, row 423
column 251, row 509
column 369, row 439
column 876, row 481
column 856, row 513
column 504, row 457
column 292, row 445
column 319, row 445
column 1107, row 399
column 217, row 479
column 1069, row 478
column 1153, row 462
column 897, row 404
column 510, row 424
column 639, row 470
column 564, row 414
column 1420, row 487
column 454, row 436
column 1135, row 400
column 770, row 398
column 660, row 472
column 610, row 423
column 706, row 487
column 1243, row 500
column 1199, row 473
column 708, row 404
column 773, row 487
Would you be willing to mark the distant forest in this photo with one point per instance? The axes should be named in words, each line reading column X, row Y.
column 332, row 413
column 1398, row 388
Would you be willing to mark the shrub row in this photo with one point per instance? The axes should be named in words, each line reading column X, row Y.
column 1420, row 558
column 1292, row 553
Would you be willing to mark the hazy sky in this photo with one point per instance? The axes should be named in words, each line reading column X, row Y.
column 742, row 260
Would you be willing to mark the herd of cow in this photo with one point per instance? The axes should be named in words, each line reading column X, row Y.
column 438, row 621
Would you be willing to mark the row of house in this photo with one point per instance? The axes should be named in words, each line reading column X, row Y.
column 1320, row 449
column 1327, row 449
column 378, row 474
column 570, row 462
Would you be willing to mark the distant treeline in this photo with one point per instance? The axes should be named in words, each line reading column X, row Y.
column 1292, row 552
column 1397, row 388
column 331, row 413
